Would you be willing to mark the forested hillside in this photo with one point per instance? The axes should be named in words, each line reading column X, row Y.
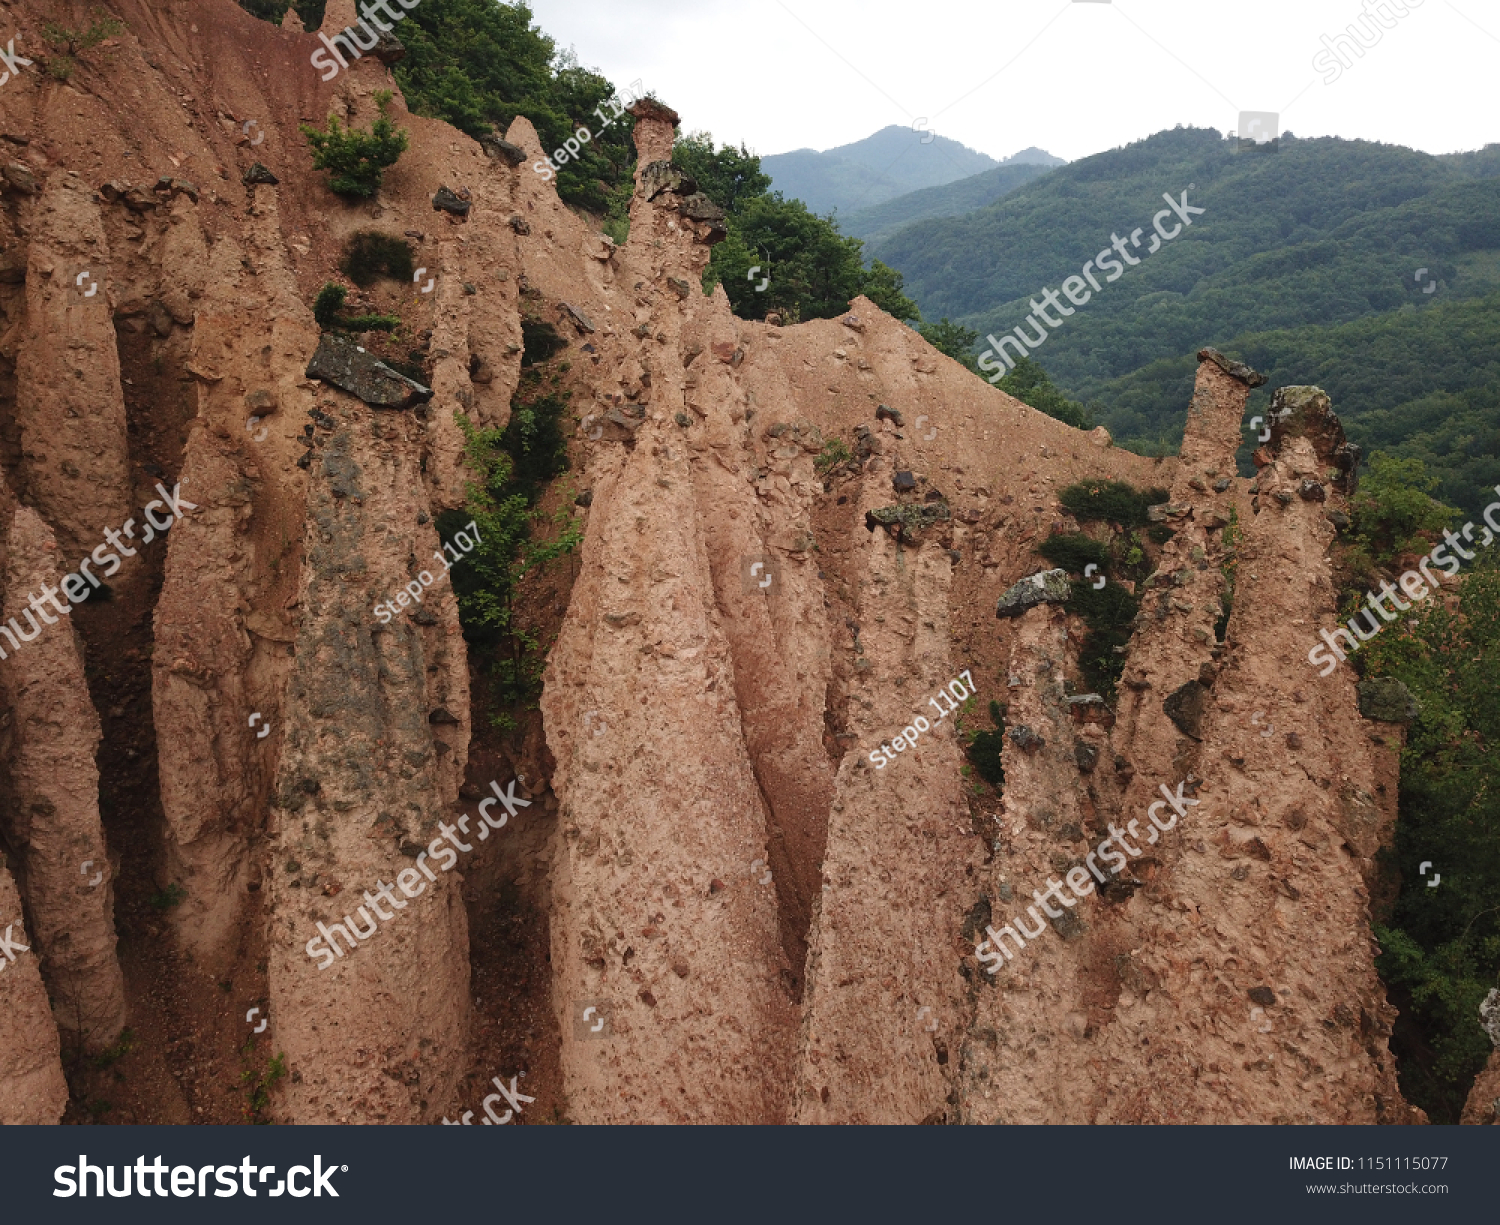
column 1305, row 263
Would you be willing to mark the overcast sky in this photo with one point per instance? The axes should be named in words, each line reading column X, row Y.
column 1074, row 77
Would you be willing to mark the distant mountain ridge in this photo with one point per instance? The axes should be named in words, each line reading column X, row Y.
column 892, row 162
column 880, row 222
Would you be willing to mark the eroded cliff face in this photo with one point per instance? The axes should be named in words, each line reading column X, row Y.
column 726, row 911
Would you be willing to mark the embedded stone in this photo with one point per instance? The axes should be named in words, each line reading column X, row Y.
column 580, row 320
column 1045, row 587
column 662, row 176
column 20, row 178
column 904, row 522
column 258, row 174
column 450, row 202
column 338, row 360
column 1185, row 707
column 502, row 150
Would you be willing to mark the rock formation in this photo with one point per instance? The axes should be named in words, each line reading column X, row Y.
column 727, row 911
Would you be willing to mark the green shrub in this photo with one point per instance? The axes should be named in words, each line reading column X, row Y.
column 1113, row 501
column 1074, row 552
column 1393, row 511
column 834, row 452
column 1441, row 946
column 123, row 1045
column 310, row 11
column 330, row 302
column 356, row 159
column 952, row 339
column 74, row 42
column 369, row 255
column 1110, row 615
column 371, row 323
column 258, row 1086
column 535, row 441
column 1029, row 383
column 172, row 895
column 984, row 749
column 540, row 342
column 511, row 468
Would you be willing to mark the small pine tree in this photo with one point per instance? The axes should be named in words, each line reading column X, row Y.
column 355, row 158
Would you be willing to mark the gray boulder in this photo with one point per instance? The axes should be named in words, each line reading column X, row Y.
column 347, row 366
column 1047, row 587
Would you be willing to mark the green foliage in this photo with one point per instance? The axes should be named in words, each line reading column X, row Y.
column 1393, row 511
column 329, row 304
column 729, row 177
column 258, row 1085
column 834, row 452
column 111, row 1055
column 952, row 339
column 1110, row 615
column 1231, row 537
column 511, row 468
column 1029, row 383
column 883, row 287
column 1442, row 946
column 74, row 42
column 356, row 159
column 1109, row 612
column 1113, row 501
column 1073, row 552
column 310, row 11
column 478, row 64
column 540, row 342
column 369, row 255
column 173, row 895
column 371, row 323
column 984, row 746
column 814, row 270
column 879, row 222
column 535, row 442
column 1303, row 266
